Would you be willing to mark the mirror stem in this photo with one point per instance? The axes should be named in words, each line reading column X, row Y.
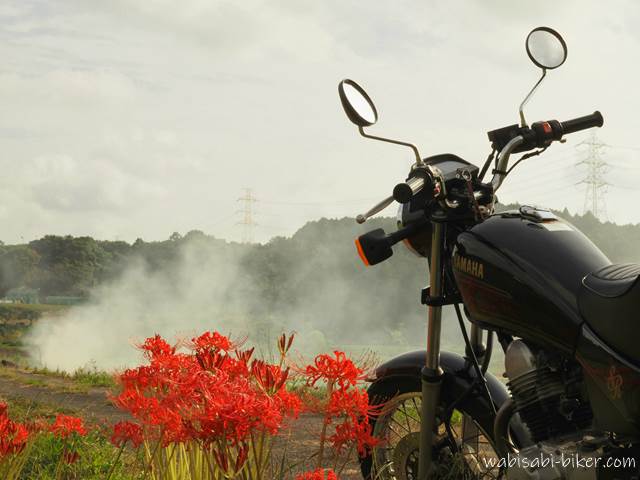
column 523, row 122
column 419, row 161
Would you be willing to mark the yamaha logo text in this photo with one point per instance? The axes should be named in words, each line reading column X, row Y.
column 468, row 266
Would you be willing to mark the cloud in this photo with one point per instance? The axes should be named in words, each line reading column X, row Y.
column 188, row 103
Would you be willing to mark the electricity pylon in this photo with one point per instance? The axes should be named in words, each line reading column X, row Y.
column 596, row 185
column 247, row 222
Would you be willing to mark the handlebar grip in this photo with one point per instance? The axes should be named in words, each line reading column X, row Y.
column 582, row 123
column 404, row 192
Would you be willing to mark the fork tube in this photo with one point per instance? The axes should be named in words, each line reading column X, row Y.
column 431, row 373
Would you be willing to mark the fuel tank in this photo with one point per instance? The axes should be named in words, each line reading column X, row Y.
column 520, row 272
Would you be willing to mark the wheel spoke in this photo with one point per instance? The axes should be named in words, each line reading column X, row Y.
column 399, row 450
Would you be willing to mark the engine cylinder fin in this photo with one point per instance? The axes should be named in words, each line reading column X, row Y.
column 540, row 395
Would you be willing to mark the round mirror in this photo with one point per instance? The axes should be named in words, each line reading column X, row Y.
column 357, row 104
column 546, row 48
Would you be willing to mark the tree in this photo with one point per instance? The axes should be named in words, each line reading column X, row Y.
column 18, row 268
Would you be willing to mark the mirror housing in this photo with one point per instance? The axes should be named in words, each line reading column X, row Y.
column 357, row 104
column 547, row 49
column 362, row 112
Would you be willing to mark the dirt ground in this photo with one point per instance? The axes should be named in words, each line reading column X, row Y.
column 46, row 392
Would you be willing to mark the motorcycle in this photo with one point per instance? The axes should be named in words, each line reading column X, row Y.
column 563, row 314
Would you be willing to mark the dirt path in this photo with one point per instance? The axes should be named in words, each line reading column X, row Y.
column 298, row 441
column 35, row 389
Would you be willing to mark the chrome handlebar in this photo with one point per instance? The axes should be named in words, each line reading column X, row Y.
column 503, row 161
column 403, row 192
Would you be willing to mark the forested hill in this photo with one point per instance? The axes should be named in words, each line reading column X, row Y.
column 319, row 251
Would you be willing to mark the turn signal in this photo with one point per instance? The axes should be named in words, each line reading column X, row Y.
column 373, row 247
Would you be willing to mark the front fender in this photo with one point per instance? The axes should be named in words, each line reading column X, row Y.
column 459, row 376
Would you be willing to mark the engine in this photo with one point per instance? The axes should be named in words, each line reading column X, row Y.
column 547, row 392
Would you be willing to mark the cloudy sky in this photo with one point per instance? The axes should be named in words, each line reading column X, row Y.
column 136, row 118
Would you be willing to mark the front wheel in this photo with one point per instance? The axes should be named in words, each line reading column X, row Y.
column 463, row 445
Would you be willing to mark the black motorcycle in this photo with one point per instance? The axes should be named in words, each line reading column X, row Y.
column 565, row 316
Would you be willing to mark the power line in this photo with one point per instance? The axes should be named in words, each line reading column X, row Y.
column 247, row 222
column 594, row 198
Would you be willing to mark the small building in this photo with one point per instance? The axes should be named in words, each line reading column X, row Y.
column 23, row 295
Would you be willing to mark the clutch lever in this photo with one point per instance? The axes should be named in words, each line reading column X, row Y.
column 375, row 209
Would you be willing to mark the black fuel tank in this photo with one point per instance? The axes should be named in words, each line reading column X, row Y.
column 520, row 272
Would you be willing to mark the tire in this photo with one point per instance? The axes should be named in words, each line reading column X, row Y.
column 398, row 392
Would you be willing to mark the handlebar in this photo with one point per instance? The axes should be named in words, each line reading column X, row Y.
column 404, row 192
column 510, row 140
column 582, row 123
column 540, row 135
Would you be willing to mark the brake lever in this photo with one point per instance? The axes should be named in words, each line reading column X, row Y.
column 375, row 209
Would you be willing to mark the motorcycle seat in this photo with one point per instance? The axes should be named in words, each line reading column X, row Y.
column 609, row 301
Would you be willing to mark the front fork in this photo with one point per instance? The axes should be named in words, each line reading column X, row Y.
column 432, row 373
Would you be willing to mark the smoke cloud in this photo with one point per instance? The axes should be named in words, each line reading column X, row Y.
column 311, row 284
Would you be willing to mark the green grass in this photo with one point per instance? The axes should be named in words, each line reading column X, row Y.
column 95, row 461
column 32, row 307
column 24, row 410
column 87, row 377
column 96, row 454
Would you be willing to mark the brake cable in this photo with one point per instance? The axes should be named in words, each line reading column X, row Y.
column 524, row 157
column 487, row 162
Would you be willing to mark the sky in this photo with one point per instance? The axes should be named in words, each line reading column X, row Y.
column 126, row 119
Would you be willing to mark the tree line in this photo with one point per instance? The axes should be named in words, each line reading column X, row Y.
column 73, row 266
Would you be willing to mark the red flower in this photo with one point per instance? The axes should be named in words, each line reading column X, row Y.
column 337, row 369
column 318, row 474
column 156, row 346
column 208, row 395
column 13, row 435
column 213, row 340
column 350, row 431
column 284, row 343
column 353, row 403
column 124, row 432
column 66, row 425
column 270, row 377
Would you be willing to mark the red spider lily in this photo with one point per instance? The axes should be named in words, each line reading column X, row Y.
column 213, row 340
column 66, row 425
column 270, row 377
column 211, row 359
column 206, row 395
column 124, row 432
column 156, row 346
column 284, row 343
column 353, row 403
column 337, row 369
column 13, row 435
column 318, row 474
column 244, row 355
column 353, row 431
column 217, row 399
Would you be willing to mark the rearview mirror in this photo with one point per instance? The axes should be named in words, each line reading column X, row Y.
column 546, row 48
column 357, row 104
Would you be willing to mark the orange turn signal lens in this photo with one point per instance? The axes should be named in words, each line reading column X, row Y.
column 363, row 257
